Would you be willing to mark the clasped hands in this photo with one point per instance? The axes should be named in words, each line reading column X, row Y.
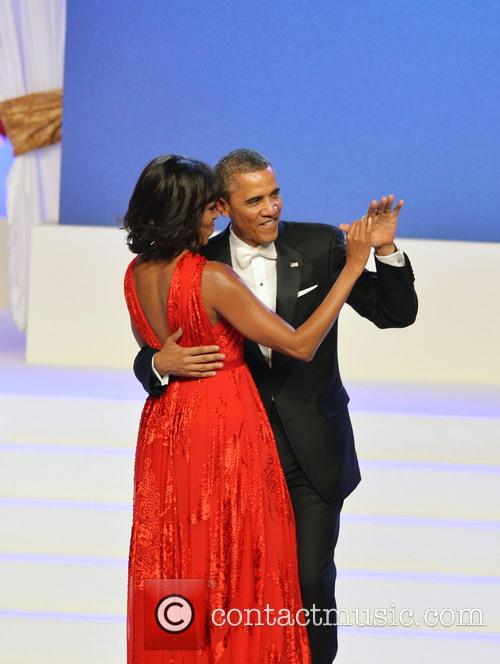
column 384, row 224
column 203, row 361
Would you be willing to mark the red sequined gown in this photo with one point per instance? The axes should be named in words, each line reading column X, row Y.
column 210, row 498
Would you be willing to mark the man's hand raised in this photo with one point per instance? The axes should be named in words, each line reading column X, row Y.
column 384, row 224
column 193, row 362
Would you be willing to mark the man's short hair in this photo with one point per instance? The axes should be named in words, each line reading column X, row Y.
column 237, row 161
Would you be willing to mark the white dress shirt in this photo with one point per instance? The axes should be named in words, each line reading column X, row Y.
column 260, row 277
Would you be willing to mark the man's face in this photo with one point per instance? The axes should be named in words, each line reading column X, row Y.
column 254, row 206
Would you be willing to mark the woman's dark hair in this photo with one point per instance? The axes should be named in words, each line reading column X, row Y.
column 166, row 208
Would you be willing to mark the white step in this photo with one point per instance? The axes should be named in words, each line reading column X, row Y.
column 421, row 531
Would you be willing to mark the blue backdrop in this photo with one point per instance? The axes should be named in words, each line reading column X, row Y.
column 350, row 99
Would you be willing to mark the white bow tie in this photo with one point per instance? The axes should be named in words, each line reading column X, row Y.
column 245, row 254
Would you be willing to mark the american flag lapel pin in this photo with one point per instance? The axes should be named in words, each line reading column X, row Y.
column 294, row 264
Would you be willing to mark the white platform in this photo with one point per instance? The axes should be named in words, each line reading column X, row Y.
column 77, row 315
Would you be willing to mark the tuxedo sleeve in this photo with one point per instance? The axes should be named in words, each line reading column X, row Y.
column 144, row 372
column 387, row 297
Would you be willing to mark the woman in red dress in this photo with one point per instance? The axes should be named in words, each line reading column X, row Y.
column 210, row 499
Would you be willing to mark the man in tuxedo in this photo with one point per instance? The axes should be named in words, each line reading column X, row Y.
column 291, row 266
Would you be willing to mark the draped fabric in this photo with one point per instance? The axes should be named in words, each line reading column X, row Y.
column 31, row 60
column 33, row 121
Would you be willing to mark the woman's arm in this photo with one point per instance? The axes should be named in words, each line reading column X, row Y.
column 224, row 292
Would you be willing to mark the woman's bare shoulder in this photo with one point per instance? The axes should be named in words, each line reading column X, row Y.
column 218, row 272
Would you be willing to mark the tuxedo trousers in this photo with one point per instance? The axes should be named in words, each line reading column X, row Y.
column 317, row 526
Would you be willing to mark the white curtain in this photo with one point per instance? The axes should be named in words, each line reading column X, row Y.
column 32, row 34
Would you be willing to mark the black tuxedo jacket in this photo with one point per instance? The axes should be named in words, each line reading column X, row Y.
column 309, row 397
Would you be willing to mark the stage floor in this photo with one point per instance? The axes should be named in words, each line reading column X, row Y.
column 421, row 532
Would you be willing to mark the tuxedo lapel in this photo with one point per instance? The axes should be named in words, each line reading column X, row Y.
column 288, row 271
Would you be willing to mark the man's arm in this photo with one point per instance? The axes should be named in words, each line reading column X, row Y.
column 143, row 370
column 387, row 297
column 175, row 360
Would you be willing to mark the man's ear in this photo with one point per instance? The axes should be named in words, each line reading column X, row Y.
column 223, row 207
